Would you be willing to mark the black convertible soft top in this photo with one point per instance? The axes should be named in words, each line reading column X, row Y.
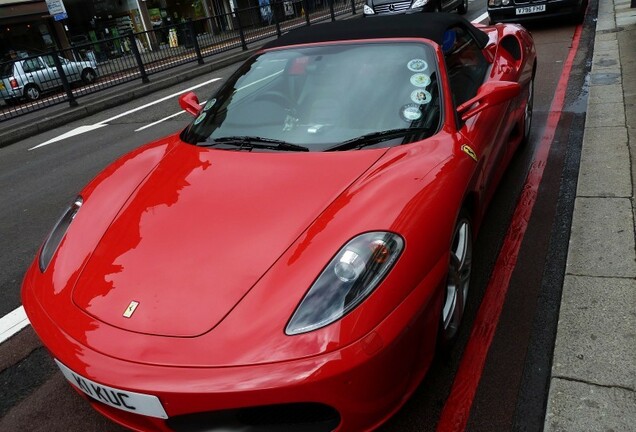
column 419, row 25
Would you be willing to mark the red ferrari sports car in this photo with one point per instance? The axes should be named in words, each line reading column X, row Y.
column 293, row 258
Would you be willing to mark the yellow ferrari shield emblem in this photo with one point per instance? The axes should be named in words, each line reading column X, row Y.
column 470, row 152
column 131, row 309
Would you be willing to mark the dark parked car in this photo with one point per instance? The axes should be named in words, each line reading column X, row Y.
column 384, row 7
column 523, row 10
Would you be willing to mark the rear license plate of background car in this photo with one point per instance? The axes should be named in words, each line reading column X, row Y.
column 137, row 403
column 530, row 9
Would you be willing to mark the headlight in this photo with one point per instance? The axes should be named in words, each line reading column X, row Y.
column 494, row 2
column 349, row 278
column 419, row 3
column 55, row 237
column 368, row 10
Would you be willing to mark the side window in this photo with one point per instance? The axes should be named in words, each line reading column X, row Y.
column 32, row 65
column 465, row 63
column 48, row 60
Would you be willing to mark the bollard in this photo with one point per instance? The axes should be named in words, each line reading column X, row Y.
column 195, row 41
column 275, row 15
column 60, row 71
column 241, row 33
column 306, row 8
column 140, row 63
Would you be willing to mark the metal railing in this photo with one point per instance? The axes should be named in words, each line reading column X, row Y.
column 39, row 81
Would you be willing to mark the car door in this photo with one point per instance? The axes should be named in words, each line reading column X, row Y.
column 49, row 61
column 484, row 134
column 39, row 73
column 72, row 69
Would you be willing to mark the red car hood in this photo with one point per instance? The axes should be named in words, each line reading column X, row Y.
column 200, row 231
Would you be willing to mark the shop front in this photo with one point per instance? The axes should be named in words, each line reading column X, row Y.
column 94, row 20
column 26, row 28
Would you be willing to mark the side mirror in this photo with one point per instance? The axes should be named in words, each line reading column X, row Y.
column 488, row 95
column 189, row 102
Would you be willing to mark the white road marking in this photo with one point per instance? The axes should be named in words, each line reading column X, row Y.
column 159, row 100
column 165, row 118
column 12, row 323
column 480, row 18
column 87, row 128
column 159, row 121
column 77, row 131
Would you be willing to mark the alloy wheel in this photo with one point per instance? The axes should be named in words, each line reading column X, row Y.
column 527, row 115
column 458, row 279
column 32, row 93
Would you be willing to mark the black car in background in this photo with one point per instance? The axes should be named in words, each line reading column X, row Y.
column 384, row 7
column 524, row 10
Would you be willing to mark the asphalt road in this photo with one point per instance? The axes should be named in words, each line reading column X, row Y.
column 40, row 175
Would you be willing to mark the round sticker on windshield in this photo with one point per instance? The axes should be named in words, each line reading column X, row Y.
column 411, row 112
column 421, row 96
column 209, row 105
column 420, row 80
column 200, row 118
column 417, row 65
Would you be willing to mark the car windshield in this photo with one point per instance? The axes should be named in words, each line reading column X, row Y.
column 328, row 97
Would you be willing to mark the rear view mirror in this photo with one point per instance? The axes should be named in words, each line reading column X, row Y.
column 489, row 94
column 189, row 102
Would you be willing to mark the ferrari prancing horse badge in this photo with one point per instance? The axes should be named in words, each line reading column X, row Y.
column 131, row 309
column 470, row 152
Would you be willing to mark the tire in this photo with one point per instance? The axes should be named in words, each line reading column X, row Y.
column 463, row 8
column 527, row 114
column 579, row 16
column 31, row 92
column 89, row 76
column 457, row 281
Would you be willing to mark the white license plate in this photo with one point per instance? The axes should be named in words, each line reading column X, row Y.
column 530, row 9
column 137, row 403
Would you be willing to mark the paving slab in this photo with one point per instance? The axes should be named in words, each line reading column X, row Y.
column 609, row 93
column 578, row 407
column 596, row 339
column 606, row 114
column 602, row 238
column 601, row 47
column 605, row 169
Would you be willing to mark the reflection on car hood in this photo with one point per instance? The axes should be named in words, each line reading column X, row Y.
column 201, row 230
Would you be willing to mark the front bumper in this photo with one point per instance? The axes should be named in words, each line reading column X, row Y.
column 10, row 93
column 381, row 10
column 354, row 388
column 553, row 8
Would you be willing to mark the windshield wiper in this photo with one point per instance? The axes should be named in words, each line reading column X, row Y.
column 376, row 137
column 251, row 142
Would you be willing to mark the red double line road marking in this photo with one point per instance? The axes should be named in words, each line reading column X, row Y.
column 456, row 411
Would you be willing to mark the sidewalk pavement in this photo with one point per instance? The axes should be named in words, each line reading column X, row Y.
column 593, row 380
